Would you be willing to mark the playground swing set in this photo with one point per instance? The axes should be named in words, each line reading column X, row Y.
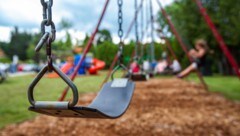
column 139, row 72
column 136, row 69
column 115, row 96
column 111, row 102
column 215, row 32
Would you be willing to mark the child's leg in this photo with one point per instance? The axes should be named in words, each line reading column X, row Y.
column 188, row 70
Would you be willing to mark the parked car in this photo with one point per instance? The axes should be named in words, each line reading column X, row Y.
column 27, row 67
column 4, row 67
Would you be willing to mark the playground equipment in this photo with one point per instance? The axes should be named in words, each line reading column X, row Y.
column 213, row 29
column 114, row 97
column 143, row 68
column 183, row 46
column 86, row 49
column 96, row 66
column 92, row 65
column 137, row 72
column 125, row 37
column 176, row 66
column 152, row 48
column 150, row 63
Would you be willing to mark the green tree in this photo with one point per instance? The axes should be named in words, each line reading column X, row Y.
column 104, row 35
column 4, row 46
column 63, row 47
column 106, row 52
column 31, row 53
column 127, row 52
column 19, row 42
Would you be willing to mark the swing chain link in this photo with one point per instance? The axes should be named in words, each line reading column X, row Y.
column 120, row 31
column 47, row 37
column 120, row 19
column 47, row 18
column 120, row 64
column 152, row 32
column 47, row 11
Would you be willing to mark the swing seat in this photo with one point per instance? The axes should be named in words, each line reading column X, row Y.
column 140, row 77
column 111, row 102
column 151, row 75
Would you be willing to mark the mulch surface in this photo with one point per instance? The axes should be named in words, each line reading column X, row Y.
column 159, row 107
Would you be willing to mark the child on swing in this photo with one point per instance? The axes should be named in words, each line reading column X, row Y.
column 199, row 56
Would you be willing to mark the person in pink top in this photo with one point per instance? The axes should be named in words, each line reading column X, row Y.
column 135, row 67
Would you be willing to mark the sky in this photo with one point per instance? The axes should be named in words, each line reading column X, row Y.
column 27, row 15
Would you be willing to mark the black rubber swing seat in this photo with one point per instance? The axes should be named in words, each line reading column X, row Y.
column 111, row 102
column 140, row 77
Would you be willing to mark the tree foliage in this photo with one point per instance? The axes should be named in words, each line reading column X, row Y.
column 106, row 52
column 104, row 35
column 191, row 25
column 19, row 43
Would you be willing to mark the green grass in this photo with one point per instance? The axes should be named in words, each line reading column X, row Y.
column 14, row 102
column 228, row 86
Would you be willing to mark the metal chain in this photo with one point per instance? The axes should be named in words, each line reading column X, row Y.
column 152, row 32
column 47, row 37
column 120, row 19
column 136, row 29
column 47, row 11
column 120, row 31
column 47, row 18
column 120, row 46
column 142, row 30
column 142, row 22
column 136, row 20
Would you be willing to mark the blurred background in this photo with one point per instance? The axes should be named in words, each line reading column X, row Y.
column 75, row 22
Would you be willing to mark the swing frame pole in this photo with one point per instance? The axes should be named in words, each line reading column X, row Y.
column 86, row 50
column 218, row 37
column 169, row 46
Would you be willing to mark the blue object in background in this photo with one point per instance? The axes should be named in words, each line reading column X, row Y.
column 153, row 64
column 13, row 68
column 81, row 70
column 85, row 65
